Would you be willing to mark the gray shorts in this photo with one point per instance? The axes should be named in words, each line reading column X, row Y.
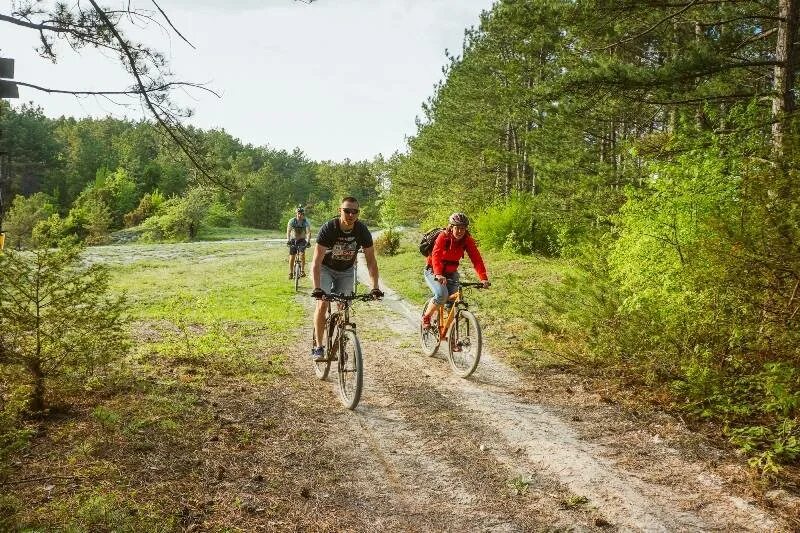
column 335, row 281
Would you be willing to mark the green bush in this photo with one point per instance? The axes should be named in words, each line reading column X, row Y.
column 89, row 220
column 57, row 320
column 24, row 215
column 519, row 224
column 178, row 219
column 218, row 216
column 148, row 206
column 388, row 243
column 694, row 292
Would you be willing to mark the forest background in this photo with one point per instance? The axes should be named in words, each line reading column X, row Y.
column 647, row 151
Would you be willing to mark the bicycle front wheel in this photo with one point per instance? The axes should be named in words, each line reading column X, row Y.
column 297, row 277
column 351, row 369
column 464, row 344
column 429, row 337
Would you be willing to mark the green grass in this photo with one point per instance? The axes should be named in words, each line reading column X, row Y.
column 237, row 232
column 222, row 306
column 207, row 319
column 513, row 312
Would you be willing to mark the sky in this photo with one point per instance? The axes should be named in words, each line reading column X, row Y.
column 336, row 78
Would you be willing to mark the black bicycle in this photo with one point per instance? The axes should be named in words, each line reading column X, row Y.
column 342, row 345
column 297, row 268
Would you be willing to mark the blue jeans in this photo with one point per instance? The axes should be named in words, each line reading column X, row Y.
column 441, row 292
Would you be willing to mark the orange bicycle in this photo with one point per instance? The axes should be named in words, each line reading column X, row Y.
column 460, row 328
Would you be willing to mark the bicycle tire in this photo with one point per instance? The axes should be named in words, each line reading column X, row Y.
column 296, row 276
column 350, row 366
column 465, row 333
column 429, row 337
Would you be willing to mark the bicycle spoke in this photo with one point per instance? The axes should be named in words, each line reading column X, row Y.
column 464, row 344
column 350, row 369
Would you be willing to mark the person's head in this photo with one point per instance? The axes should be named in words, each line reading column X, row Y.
column 300, row 212
column 457, row 224
column 348, row 210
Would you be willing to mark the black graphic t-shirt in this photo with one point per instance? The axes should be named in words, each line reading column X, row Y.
column 342, row 246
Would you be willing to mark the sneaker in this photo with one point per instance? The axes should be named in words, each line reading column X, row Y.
column 318, row 353
column 302, row 274
column 426, row 322
column 291, row 275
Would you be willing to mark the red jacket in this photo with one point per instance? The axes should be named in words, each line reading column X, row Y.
column 447, row 253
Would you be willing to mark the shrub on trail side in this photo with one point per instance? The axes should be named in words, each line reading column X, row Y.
column 57, row 322
column 698, row 295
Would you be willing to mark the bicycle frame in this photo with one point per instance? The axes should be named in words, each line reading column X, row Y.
column 445, row 316
column 339, row 321
column 342, row 345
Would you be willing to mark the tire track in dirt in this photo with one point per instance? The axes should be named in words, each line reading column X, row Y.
column 548, row 443
column 401, row 480
column 424, row 462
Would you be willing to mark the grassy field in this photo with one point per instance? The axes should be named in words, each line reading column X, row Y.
column 237, row 232
column 124, row 454
column 515, row 318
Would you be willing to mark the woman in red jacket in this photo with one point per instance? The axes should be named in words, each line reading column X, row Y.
column 441, row 273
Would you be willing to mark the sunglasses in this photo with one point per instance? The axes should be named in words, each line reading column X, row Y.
column 349, row 211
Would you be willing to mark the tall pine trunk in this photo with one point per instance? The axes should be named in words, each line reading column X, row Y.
column 783, row 83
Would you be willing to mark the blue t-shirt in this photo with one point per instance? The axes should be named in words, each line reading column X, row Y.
column 297, row 228
column 342, row 245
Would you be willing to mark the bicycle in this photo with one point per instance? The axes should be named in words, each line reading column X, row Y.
column 460, row 328
column 342, row 345
column 297, row 270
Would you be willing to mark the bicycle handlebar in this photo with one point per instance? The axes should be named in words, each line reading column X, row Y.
column 476, row 284
column 349, row 298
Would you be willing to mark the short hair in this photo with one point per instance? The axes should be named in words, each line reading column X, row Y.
column 348, row 199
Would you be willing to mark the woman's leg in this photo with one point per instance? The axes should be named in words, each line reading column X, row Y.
column 439, row 292
column 452, row 284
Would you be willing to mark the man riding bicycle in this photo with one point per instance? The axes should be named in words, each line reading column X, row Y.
column 334, row 259
column 297, row 231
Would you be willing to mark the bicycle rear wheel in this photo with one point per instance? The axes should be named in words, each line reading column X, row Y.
column 429, row 337
column 351, row 369
column 464, row 344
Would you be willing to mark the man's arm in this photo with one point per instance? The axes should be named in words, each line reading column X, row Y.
column 316, row 265
column 372, row 265
column 288, row 230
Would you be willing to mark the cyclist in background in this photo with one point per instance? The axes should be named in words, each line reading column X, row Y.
column 441, row 272
column 297, row 231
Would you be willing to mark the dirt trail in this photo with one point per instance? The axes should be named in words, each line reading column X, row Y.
column 500, row 452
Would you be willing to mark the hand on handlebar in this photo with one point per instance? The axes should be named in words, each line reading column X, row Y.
column 441, row 279
column 318, row 293
column 376, row 294
column 486, row 284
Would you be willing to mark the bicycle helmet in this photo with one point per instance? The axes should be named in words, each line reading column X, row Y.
column 458, row 219
column 301, row 209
